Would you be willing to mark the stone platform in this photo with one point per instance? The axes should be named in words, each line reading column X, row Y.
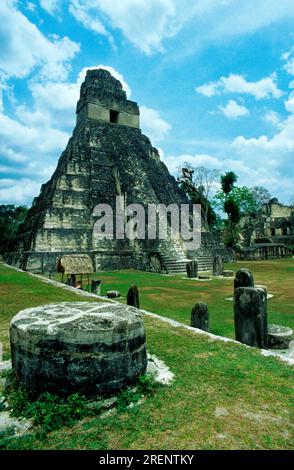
column 86, row 347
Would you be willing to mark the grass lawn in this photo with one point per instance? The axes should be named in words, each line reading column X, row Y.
column 19, row 291
column 174, row 297
column 224, row 396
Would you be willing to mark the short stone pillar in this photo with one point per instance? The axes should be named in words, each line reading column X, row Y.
column 250, row 313
column 96, row 286
column 243, row 278
column 133, row 297
column 200, row 316
column 86, row 347
column 218, row 266
column 113, row 294
column 279, row 337
column 192, row 269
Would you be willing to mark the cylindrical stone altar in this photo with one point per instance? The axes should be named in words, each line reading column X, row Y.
column 85, row 347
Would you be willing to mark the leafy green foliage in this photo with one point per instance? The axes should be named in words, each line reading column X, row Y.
column 242, row 197
column 11, row 218
column 227, row 181
column 49, row 411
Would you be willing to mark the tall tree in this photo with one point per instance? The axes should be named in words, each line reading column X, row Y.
column 232, row 199
column 261, row 196
column 197, row 182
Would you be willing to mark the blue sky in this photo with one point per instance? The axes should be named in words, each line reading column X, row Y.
column 214, row 80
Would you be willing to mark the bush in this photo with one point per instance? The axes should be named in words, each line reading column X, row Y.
column 49, row 411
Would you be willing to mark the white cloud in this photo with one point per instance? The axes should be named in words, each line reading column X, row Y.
column 153, row 125
column 31, row 6
column 254, row 170
column 273, row 118
column 288, row 57
column 85, row 14
column 24, row 47
column 51, row 6
column 234, row 83
column 145, row 24
column 289, row 104
column 234, row 110
column 282, row 142
column 18, row 192
column 30, row 140
column 208, row 89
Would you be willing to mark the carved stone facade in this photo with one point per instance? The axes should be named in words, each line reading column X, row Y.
column 107, row 156
column 268, row 234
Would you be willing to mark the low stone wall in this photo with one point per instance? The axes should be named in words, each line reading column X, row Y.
column 45, row 261
column 264, row 251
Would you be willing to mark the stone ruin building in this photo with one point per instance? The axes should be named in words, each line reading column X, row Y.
column 268, row 234
column 107, row 156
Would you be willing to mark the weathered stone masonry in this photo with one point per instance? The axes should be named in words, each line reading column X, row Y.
column 107, row 156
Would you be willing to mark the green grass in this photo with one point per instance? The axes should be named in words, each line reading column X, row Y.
column 174, row 297
column 18, row 290
column 224, row 396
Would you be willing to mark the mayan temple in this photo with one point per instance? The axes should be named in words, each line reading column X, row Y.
column 107, row 156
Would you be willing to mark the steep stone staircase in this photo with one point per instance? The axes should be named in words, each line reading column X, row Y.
column 204, row 260
column 174, row 257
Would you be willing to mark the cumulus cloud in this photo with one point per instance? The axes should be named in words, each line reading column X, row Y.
column 153, row 124
column 234, row 83
column 18, row 191
column 282, row 142
column 288, row 57
column 233, row 110
column 256, row 170
column 289, row 104
column 273, row 118
column 24, row 47
column 147, row 25
column 51, row 6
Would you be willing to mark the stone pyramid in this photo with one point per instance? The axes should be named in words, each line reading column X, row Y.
column 106, row 156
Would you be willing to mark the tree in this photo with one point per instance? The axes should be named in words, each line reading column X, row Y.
column 227, row 181
column 261, row 196
column 232, row 200
column 197, row 184
column 10, row 219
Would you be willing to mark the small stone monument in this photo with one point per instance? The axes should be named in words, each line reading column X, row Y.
column 133, row 297
column 279, row 337
column 218, row 266
column 200, row 316
column 243, row 278
column 86, row 347
column 113, row 294
column 96, row 286
column 250, row 313
column 192, row 269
